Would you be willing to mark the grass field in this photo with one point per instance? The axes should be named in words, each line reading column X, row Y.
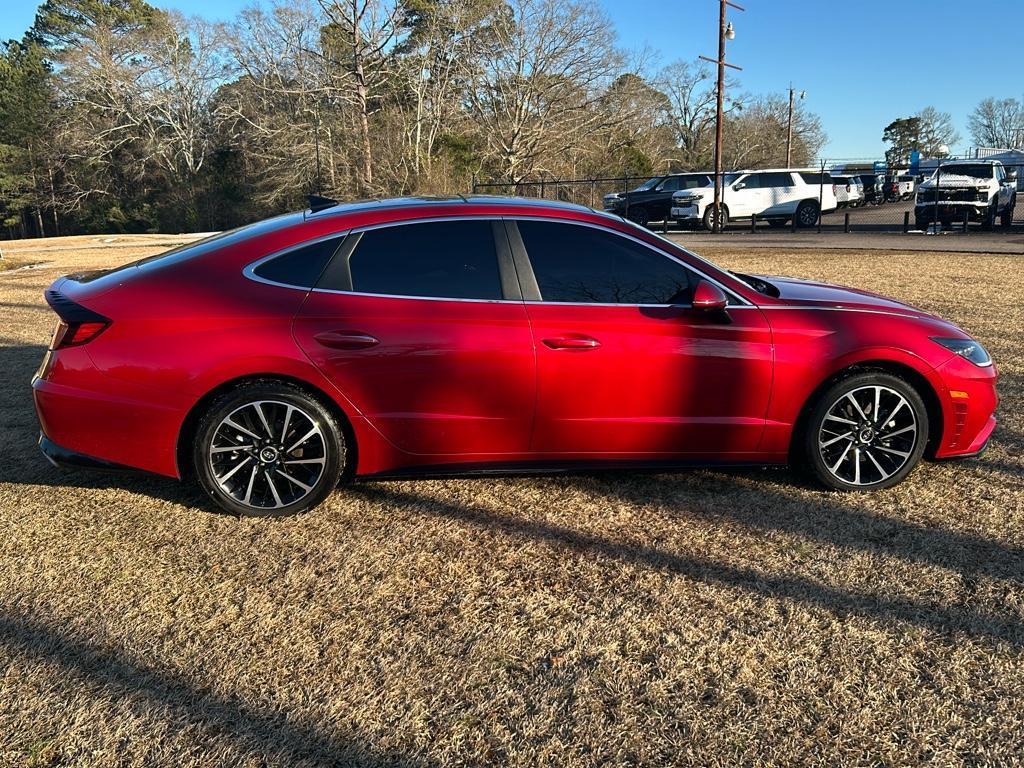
column 704, row 618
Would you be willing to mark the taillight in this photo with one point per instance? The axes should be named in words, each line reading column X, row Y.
column 78, row 325
column 73, row 334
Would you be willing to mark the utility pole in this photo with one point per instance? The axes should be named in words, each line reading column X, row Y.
column 789, row 127
column 724, row 31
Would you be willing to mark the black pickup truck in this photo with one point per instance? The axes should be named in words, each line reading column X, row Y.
column 652, row 200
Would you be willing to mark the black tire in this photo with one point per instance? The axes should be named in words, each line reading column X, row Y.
column 707, row 220
column 316, row 464
column 807, row 214
column 639, row 215
column 875, row 457
column 1006, row 217
column 989, row 222
column 777, row 223
column 921, row 224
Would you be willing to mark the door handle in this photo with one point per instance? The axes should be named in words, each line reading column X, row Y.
column 572, row 342
column 346, row 340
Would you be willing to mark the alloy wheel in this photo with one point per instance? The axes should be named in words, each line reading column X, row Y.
column 268, row 454
column 867, row 435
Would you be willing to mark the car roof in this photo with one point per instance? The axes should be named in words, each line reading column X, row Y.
column 426, row 201
column 980, row 161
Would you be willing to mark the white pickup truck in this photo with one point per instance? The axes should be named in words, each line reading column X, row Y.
column 775, row 195
column 981, row 190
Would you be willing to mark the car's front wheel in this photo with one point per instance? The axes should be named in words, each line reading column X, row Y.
column 1006, row 217
column 639, row 215
column 807, row 214
column 865, row 432
column 268, row 448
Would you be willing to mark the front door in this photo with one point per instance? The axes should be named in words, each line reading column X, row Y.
column 419, row 329
column 625, row 366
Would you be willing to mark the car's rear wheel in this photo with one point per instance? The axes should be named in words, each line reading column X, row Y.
column 989, row 221
column 268, row 448
column 807, row 214
column 865, row 432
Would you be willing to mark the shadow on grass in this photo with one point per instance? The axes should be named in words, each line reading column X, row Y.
column 266, row 731
column 936, row 618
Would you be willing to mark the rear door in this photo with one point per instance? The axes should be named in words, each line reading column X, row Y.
column 422, row 327
column 777, row 193
column 626, row 367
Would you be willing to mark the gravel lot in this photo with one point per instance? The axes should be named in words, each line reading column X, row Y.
column 704, row 618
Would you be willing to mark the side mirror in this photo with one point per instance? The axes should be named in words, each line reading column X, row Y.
column 709, row 297
column 738, row 185
column 1011, row 177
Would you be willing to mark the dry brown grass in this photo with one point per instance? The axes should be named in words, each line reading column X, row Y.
column 705, row 618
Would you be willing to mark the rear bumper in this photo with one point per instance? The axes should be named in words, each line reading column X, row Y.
column 66, row 459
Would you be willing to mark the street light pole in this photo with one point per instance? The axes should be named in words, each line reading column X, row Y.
column 724, row 31
column 789, row 127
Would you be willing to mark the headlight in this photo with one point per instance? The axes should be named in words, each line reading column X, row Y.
column 968, row 349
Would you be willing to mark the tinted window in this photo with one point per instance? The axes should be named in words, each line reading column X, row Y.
column 753, row 181
column 670, row 184
column 814, row 178
column 585, row 265
column 444, row 259
column 695, row 182
column 776, row 180
column 302, row 266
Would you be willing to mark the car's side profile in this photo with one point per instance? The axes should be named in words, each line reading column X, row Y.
column 475, row 335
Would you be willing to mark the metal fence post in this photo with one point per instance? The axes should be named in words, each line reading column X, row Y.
column 753, row 222
column 906, row 222
column 474, row 183
column 821, row 195
column 625, row 195
column 967, row 217
column 846, row 223
column 593, row 185
column 542, row 189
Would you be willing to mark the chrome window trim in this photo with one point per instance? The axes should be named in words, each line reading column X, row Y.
column 249, row 270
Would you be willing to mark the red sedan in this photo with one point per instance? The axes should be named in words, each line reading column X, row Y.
column 472, row 335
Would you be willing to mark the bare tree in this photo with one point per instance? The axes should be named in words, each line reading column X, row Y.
column 997, row 123
column 756, row 136
column 533, row 101
column 690, row 87
column 936, row 131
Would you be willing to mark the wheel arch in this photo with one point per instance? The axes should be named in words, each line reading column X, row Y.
column 900, row 370
column 191, row 421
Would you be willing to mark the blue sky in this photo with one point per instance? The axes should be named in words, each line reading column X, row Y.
column 862, row 62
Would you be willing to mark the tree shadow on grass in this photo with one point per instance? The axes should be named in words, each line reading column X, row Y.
column 943, row 620
column 266, row 730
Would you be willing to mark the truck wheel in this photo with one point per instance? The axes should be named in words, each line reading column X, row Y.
column 1006, row 217
column 989, row 222
column 807, row 214
column 708, row 220
column 638, row 214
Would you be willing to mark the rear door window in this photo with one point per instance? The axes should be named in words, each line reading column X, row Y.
column 440, row 259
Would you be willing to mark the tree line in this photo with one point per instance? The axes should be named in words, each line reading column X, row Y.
column 117, row 116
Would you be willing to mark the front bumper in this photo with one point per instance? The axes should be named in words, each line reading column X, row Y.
column 969, row 402
column 952, row 210
column 683, row 212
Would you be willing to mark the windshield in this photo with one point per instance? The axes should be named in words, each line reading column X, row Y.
column 978, row 171
column 649, row 184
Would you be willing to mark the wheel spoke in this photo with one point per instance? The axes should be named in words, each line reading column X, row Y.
column 304, row 461
column 248, row 488
column 240, row 428
column 303, row 486
column 878, row 400
column 304, row 438
column 273, row 489
column 844, row 436
column 887, row 435
column 833, row 417
column 842, row 456
column 856, row 466
column 885, row 475
column 895, row 410
column 229, row 448
column 287, row 418
column 852, row 399
column 237, row 467
column 263, row 418
column 904, row 454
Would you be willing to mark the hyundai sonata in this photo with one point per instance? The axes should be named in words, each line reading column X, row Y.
column 429, row 336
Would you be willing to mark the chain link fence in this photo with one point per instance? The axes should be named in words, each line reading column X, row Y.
column 853, row 196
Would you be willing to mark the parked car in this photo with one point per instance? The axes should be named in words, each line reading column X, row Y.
column 900, row 187
column 979, row 189
column 849, row 191
column 397, row 337
column 777, row 195
column 652, row 199
column 874, row 188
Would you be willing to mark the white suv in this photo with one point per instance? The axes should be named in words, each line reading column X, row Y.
column 776, row 195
